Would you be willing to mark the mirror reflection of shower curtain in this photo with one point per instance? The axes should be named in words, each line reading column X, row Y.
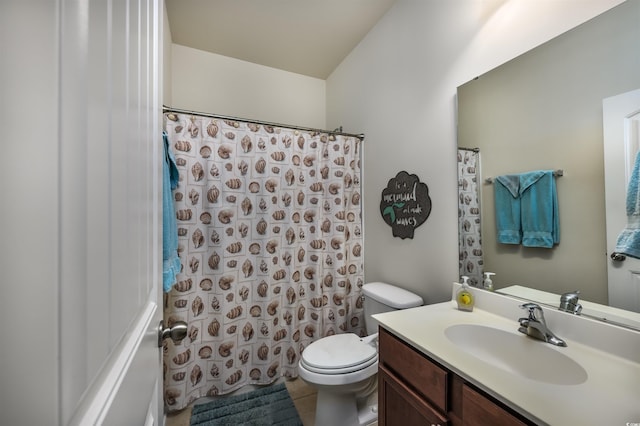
column 470, row 239
column 270, row 240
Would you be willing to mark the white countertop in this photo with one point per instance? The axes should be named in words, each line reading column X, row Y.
column 609, row 396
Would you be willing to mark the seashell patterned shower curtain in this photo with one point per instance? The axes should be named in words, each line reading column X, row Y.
column 270, row 240
column 471, row 262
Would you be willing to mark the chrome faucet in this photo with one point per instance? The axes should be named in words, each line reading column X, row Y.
column 535, row 325
column 569, row 302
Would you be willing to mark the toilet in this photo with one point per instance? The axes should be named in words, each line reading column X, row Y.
column 343, row 367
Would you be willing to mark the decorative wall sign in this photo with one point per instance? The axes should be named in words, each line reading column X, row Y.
column 405, row 204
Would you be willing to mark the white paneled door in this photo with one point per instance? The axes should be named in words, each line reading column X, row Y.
column 121, row 211
column 621, row 122
column 80, row 217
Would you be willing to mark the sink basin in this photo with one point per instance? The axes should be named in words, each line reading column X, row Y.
column 517, row 354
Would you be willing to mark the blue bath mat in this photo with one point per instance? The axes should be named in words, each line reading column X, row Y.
column 267, row 406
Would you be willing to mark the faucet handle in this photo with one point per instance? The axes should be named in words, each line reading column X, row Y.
column 532, row 308
column 570, row 295
column 569, row 302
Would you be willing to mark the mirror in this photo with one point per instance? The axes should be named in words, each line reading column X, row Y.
column 543, row 110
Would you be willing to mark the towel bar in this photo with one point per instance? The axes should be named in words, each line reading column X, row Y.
column 556, row 173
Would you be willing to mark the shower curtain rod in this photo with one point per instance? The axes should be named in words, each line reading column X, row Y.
column 337, row 131
column 470, row 149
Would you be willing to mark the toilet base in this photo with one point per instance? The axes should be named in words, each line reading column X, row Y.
column 368, row 411
column 347, row 409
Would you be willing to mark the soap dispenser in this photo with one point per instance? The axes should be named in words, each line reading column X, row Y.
column 488, row 283
column 465, row 297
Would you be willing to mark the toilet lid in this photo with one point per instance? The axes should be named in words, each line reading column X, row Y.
column 339, row 354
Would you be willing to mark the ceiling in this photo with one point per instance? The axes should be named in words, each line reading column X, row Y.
column 309, row 37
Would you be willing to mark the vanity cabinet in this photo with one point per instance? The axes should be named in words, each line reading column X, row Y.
column 415, row 390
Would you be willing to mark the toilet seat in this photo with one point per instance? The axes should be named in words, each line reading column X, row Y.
column 339, row 354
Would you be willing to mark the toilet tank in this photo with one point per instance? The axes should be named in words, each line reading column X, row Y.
column 382, row 297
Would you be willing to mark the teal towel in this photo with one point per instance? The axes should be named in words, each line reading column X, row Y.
column 628, row 242
column 526, row 207
column 507, row 206
column 170, row 261
column 539, row 209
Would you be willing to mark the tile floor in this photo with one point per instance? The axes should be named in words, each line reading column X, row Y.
column 304, row 398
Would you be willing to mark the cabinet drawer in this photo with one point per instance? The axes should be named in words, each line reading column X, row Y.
column 427, row 378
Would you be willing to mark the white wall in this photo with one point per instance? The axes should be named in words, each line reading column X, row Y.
column 29, row 212
column 166, row 54
column 207, row 82
column 398, row 87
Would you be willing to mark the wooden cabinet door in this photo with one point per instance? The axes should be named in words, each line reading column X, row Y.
column 481, row 411
column 425, row 377
column 400, row 405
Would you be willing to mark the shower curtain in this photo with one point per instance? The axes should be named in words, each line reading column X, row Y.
column 270, row 241
column 470, row 238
